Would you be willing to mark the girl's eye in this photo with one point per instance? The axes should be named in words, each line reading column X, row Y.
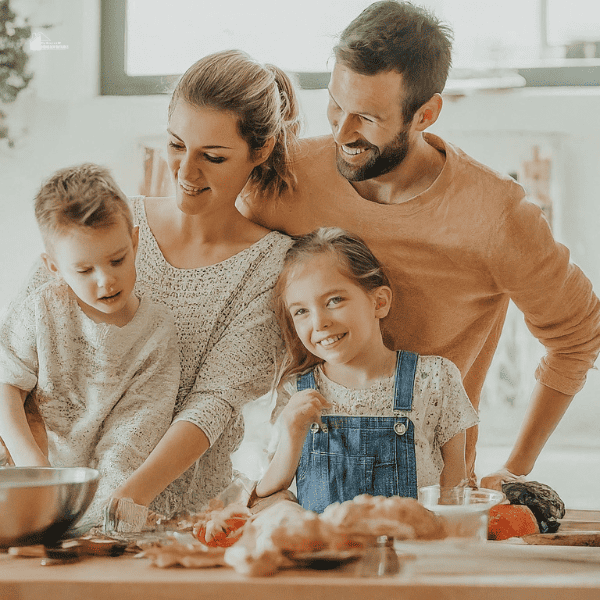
column 335, row 300
column 176, row 146
column 214, row 159
column 299, row 312
column 117, row 261
column 84, row 271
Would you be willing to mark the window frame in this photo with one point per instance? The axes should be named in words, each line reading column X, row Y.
column 114, row 80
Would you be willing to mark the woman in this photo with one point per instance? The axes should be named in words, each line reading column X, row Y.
column 232, row 124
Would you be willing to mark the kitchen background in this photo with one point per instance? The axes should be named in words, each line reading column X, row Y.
column 548, row 137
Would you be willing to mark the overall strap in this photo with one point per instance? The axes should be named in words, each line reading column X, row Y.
column 406, row 367
column 306, row 381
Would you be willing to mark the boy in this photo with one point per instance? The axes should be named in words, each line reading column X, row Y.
column 99, row 364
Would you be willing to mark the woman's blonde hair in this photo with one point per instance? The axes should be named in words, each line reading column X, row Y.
column 356, row 262
column 262, row 98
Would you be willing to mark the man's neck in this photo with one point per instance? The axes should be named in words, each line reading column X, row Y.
column 411, row 177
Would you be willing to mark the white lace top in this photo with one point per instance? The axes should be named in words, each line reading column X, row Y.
column 106, row 393
column 228, row 340
column 441, row 408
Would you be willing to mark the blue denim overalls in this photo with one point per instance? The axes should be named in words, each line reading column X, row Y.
column 349, row 456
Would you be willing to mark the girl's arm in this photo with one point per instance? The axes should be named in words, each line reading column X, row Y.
column 455, row 466
column 304, row 408
column 15, row 430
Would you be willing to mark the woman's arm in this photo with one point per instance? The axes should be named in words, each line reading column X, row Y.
column 455, row 466
column 238, row 368
column 304, row 408
column 177, row 451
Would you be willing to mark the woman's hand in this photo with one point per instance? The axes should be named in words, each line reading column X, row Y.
column 303, row 409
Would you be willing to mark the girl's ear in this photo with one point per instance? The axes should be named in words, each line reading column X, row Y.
column 51, row 265
column 383, row 301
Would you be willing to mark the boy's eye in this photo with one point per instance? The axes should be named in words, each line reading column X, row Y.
column 117, row 261
column 214, row 159
column 335, row 300
column 84, row 271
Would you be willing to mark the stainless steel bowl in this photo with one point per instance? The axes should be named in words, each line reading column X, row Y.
column 38, row 505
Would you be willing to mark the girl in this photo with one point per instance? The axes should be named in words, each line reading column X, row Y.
column 361, row 418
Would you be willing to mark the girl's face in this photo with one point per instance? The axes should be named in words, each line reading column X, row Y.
column 209, row 162
column 99, row 267
column 336, row 319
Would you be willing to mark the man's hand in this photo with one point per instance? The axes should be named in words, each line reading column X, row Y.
column 495, row 480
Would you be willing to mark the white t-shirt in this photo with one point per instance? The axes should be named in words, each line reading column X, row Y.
column 106, row 393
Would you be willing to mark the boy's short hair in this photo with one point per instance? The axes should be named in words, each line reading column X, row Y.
column 80, row 196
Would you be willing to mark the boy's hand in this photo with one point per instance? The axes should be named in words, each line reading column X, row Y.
column 303, row 409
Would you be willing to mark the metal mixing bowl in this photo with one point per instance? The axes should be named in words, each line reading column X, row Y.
column 38, row 505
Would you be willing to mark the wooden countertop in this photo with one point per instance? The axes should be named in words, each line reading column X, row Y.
column 447, row 570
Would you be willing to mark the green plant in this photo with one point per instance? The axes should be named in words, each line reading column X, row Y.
column 14, row 77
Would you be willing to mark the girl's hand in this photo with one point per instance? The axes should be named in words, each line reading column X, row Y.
column 303, row 409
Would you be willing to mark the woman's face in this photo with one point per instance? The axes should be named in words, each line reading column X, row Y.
column 209, row 161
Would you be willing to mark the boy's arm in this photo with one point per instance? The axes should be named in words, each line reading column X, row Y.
column 455, row 466
column 15, row 430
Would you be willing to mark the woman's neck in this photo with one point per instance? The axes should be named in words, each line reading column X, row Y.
column 365, row 370
column 203, row 239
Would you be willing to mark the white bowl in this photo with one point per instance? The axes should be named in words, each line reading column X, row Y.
column 465, row 510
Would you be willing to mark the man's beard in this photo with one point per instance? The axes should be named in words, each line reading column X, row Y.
column 381, row 161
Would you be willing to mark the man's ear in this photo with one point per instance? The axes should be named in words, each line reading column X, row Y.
column 383, row 301
column 51, row 265
column 428, row 114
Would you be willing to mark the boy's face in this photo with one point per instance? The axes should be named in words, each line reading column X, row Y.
column 99, row 267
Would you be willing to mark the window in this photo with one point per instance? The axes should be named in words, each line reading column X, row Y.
column 145, row 45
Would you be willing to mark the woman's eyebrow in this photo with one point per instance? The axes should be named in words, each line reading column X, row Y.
column 211, row 147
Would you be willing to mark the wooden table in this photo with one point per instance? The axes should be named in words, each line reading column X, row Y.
column 441, row 570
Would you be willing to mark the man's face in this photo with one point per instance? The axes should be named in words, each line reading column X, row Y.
column 365, row 114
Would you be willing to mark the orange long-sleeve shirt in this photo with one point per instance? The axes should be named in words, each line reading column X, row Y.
column 455, row 255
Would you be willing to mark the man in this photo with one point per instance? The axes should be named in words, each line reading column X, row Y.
column 458, row 240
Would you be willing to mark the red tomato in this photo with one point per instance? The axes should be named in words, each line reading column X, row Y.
column 222, row 539
column 511, row 520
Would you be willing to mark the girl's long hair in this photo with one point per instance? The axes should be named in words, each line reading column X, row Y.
column 356, row 262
